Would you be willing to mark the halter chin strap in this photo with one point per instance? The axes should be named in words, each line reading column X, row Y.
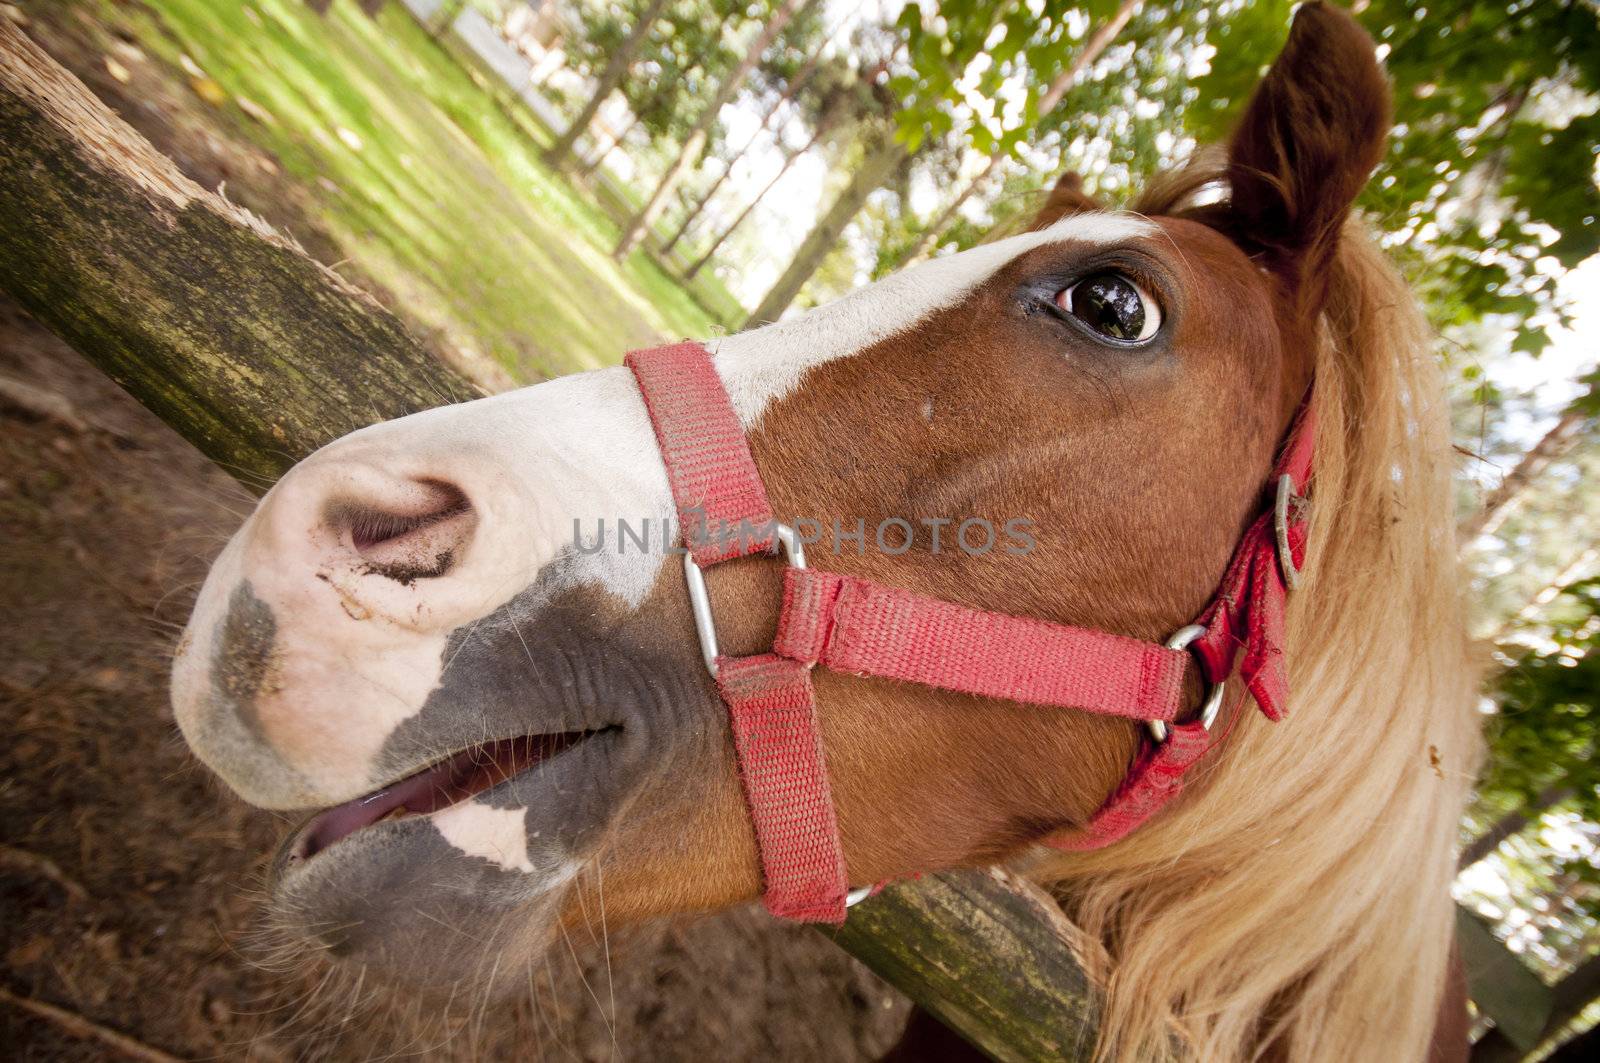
column 854, row 625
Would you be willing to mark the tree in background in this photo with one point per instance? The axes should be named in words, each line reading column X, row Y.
column 788, row 83
column 1055, row 91
column 444, row 16
column 1543, row 769
column 1545, row 740
column 1113, row 126
column 619, row 59
column 833, row 110
column 923, row 91
column 679, row 63
column 874, row 169
column 1490, row 176
column 689, row 153
column 868, row 151
column 1488, row 189
column 1573, row 424
column 1014, row 86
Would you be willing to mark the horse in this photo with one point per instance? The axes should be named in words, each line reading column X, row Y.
column 467, row 634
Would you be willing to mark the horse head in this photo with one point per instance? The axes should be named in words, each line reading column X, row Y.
column 465, row 637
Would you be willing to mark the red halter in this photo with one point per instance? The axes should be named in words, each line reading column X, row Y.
column 854, row 625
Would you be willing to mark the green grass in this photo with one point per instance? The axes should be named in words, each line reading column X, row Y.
column 427, row 185
column 615, row 198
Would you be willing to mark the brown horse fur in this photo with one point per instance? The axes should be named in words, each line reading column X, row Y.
column 1292, row 904
column 1067, row 197
column 1298, row 899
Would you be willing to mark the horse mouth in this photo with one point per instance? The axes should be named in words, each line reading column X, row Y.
column 455, row 779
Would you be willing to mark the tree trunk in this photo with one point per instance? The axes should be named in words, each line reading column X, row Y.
column 616, row 69
column 654, row 101
column 1503, row 499
column 1568, row 999
column 936, row 228
column 1572, row 572
column 445, row 16
column 822, row 128
column 634, row 231
column 588, row 168
column 223, row 327
column 824, row 236
column 1091, row 50
column 258, row 355
column 1513, row 822
column 795, row 84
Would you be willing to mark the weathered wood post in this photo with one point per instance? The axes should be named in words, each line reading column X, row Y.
column 988, row 954
column 258, row 355
column 254, row 352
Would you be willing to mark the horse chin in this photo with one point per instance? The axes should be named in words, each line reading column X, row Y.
column 457, row 897
column 402, row 903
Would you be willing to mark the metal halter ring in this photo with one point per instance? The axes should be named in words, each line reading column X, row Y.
column 705, row 625
column 1213, row 703
column 857, row 895
column 1280, row 526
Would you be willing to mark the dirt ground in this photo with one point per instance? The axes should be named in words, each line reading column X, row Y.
column 128, row 879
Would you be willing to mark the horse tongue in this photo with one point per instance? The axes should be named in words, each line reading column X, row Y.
column 469, row 772
column 422, row 792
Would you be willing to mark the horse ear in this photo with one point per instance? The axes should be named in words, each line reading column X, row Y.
column 1309, row 140
column 1067, row 197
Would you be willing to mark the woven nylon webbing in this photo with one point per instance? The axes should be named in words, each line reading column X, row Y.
column 771, row 709
column 1248, row 610
column 1155, row 778
column 714, row 480
column 1248, row 613
column 854, row 625
column 774, row 718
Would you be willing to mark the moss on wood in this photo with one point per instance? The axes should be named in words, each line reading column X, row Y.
column 985, row 952
column 233, row 336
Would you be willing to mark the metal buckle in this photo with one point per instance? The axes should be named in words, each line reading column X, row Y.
column 1280, row 525
column 700, row 601
column 1213, row 703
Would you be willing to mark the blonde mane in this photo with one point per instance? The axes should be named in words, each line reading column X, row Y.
column 1295, row 903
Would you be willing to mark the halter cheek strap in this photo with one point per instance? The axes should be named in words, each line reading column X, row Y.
column 1246, row 613
column 854, row 625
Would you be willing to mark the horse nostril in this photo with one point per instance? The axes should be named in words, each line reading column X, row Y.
column 416, row 533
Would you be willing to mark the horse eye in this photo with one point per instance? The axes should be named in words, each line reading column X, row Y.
column 1114, row 306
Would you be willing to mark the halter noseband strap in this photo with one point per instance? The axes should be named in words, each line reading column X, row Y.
column 852, row 624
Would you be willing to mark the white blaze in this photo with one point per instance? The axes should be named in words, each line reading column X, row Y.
column 765, row 364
